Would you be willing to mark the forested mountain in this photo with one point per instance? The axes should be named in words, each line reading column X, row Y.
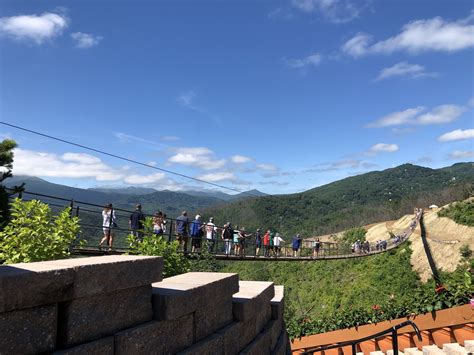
column 358, row 200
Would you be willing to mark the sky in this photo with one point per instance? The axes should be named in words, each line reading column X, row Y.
column 280, row 96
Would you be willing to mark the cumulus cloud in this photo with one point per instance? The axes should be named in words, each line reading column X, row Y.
column 457, row 135
column 461, row 154
column 335, row 11
column 419, row 36
column 240, row 159
column 343, row 164
column 33, row 28
column 219, row 177
column 136, row 179
column 383, row 148
column 311, row 60
column 414, row 116
column 199, row 157
column 85, row 40
column 397, row 118
column 404, row 69
column 68, row 165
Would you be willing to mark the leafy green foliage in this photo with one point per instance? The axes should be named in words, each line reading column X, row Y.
column 6, row 162
column 352, row 235
column 460, row 212
column 465, row 251
column 35, row 234
column 323, row 295
column 175, row 263
column 205, row 261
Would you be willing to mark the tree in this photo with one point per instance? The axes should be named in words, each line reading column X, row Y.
column 6, row 163
column 35, row 234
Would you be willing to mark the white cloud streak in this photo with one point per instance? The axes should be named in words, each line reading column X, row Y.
column 85, row 40
column 461, row 154
column 419, row 36
column 240, row 159
column 384, row 148
column 33, row 28
column 457, row 135
column 311, row 60
column 335, row 11
column 404, row 69
column 199, row 157
column 397, row 118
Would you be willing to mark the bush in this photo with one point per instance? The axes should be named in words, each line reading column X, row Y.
column 352, row 235
column 175, row 263
column 460, row 212
column 465, row 251
column 35, row 234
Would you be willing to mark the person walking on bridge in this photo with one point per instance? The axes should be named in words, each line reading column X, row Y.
column 211, row 231
column 296, row 244
column 135, row 223
column 182, row 230
column 266, row 244
column 109, row 221
column 196, row 234
column 258, row 242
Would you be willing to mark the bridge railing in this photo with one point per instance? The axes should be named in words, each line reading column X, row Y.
column 90, row 220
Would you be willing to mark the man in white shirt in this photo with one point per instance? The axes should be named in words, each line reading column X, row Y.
column 277, row 241
column 211, row 231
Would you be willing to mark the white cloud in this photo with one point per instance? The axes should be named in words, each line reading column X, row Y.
column 457, row 135
column 187, row 100
column 413, row 116
column 218, row 177
column 461, row 154
column 358, row 45
column 128, row 138
column 35, row 28
column 240, row 159
column 267, row 167
column 344, row 164
column 311, row 60
column 397, row 118
column 170, row 138
column 199, row 157
column 404, row 69
column 434, row 34
column 383, row 147
column 335, row 11
column 136, row 179
column 68, row 165
column 441, row 114
column 85, row 40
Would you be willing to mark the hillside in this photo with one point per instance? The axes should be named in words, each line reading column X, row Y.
column 359, row 200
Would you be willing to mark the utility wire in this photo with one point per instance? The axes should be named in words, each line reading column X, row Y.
column 126, row 159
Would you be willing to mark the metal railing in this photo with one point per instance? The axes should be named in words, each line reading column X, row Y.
column 393, row 331
column 90, row 212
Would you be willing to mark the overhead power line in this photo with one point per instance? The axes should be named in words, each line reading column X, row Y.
column 125, row 159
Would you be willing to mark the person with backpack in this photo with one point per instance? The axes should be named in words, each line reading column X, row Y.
column 182, row 230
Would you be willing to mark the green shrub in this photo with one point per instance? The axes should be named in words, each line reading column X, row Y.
column 175, row 263
column 465, row 251
column 460, row 212
column 352, row 235
column 35, row 234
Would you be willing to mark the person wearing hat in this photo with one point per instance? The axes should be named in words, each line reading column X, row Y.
column 135, row 222
column 182, row 230
column 109, row 222
column 211, row 231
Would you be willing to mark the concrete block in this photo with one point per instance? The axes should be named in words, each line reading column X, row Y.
column 28, row 331
column 261, row 345
column 29, row 285
column 275, row 327
column 454, row 349
column 104, row 346
column 156, row 337
column 89, row 318
column 412, row 351
column 252, row 296
column 283, row 345
column 102, row 274
column 233, row 335
column 186, row 293
column 213, row 344
column 432, row 350
column 469, row 345
column 278, row 303
column 208, row 320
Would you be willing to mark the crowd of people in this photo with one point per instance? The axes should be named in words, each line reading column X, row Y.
column 235, row 239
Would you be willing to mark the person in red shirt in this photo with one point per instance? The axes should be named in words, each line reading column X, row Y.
column 266, row 244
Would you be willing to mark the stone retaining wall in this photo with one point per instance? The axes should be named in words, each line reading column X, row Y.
column 121, row 305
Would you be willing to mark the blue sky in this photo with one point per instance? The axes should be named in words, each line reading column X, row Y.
column 280, row 96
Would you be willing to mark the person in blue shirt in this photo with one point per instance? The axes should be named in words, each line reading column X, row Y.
column 182, row 230
column 196, row 234
column 135, row 223
column 296, row 244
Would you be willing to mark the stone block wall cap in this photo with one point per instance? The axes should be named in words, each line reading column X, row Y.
column 253, row 289
column 98, row 260
column 279, row 294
